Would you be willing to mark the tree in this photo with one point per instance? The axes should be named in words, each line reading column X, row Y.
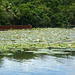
column 71, row 11
column 39, row 13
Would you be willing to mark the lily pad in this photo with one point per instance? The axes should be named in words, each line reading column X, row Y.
column 32, row 40
column 47, row 51
column 61, row 50
column 60, row 53
column 6, row 54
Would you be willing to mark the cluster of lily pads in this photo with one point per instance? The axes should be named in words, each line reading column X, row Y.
column 37, row 38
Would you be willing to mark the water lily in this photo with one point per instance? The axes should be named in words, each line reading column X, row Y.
column 21, row 39
column 16, row 35
column 25, row 34
column 35, row 37
column 69, row 44
column 38, row 40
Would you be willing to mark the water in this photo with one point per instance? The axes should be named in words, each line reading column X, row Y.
column 37, row 64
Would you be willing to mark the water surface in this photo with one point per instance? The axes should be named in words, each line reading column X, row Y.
column 37, row 64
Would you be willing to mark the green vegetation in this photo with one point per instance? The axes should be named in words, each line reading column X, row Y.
column 39, row 13
column 49, row 40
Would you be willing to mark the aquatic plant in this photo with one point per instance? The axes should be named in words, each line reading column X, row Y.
column 13, row 40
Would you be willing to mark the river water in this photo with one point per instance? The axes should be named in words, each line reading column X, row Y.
column 37, row 64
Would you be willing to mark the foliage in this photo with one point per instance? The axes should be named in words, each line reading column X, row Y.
column 71, row 11
column 39, row 13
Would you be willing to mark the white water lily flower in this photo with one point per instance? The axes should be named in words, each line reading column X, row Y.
column 43, row 39
column 55, row 34
column 70, row 33
column 16, row 35
column 66, row 31
column 69, row 44
column 30, row 38
column 25, row 34
column 38, row 40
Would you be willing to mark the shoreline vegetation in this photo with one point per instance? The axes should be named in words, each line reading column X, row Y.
column 38, row 40
column 38, row 13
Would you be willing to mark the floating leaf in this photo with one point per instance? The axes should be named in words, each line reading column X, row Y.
column 52, row 38
column 6, row 54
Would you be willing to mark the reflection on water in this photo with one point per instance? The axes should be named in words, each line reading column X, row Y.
column 37, row 64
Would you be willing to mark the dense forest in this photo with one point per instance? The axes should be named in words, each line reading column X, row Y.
column 38, row 13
